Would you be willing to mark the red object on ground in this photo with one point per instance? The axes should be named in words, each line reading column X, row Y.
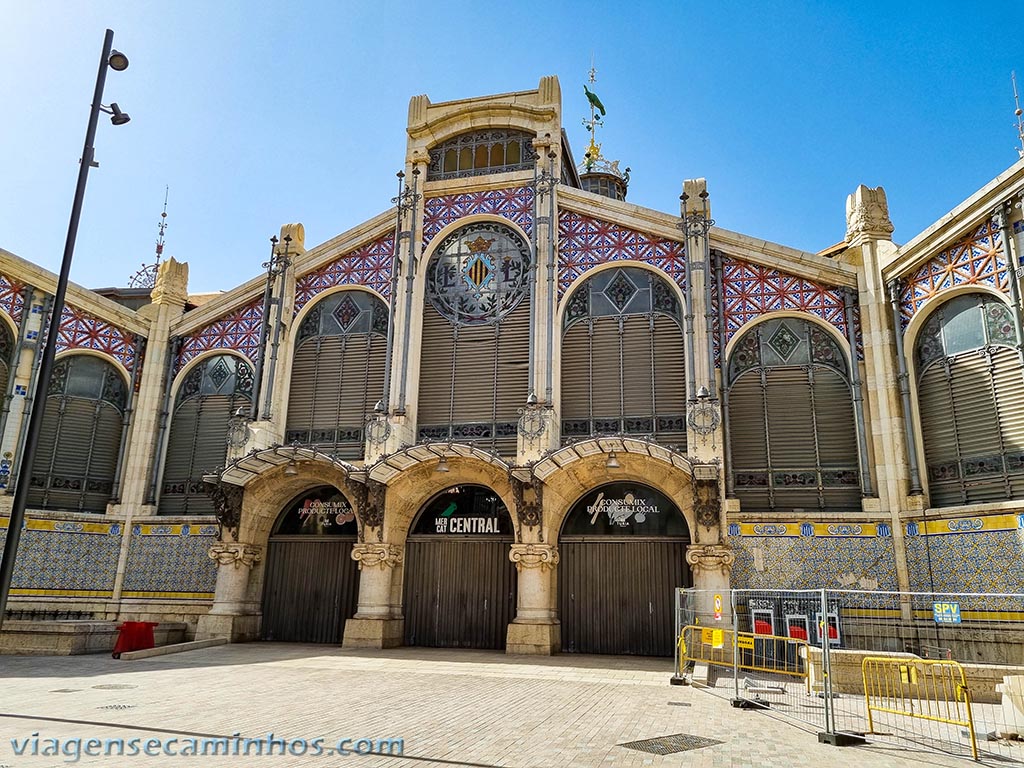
column 762, row 627
column 134, row 636
column 797, row 632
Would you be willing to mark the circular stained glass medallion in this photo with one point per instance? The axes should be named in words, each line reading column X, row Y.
column 479, row 273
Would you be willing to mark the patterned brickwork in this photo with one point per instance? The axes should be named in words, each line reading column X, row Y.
column 807, row 556
column 369, row 265
column 11, row 300
column 65, row 558
column 80, row 330
column 978, row 259
column 238, row 330
column 171, row 561
column 750, row 291
column 514, row 204
column 585, row 242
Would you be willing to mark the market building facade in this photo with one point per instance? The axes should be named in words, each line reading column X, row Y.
column 516, row 411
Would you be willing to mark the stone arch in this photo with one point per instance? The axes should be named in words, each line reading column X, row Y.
column 107, row 358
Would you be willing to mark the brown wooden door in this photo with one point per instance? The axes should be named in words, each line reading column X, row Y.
column 459, row 593
column 311, row 588
column 616, row 597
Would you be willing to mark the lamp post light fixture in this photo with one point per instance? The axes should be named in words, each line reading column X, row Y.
column 118, row 62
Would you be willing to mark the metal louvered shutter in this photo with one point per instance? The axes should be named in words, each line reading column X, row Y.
column 197, row 445
column 837, row 438
column 638, row 374
column 575, row 385
column 748, row 442
column 302, row 392
column 513, row 380
column 436, row 360
column 1008, row 380
column 669, row 383
column 938, row 429
column 791, row 439
column 5, row 375
column 606, row 357
column 977, row 427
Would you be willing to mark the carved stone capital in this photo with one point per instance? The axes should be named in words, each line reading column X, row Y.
column 233, row 553
column 543, row 556
column 710, row 557
column 377, row 555
column 867, row 213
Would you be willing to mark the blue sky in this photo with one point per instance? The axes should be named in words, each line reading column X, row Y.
column 256, row 114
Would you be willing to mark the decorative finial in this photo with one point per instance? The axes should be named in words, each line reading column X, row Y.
column 146, row 277
column 1018, row 113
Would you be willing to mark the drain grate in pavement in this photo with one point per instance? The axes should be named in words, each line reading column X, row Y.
column 679, row 704
column 114, row 687
column 669, row 745
column 117, row 706
column 63, row 690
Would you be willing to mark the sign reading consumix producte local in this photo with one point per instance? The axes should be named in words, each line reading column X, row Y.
column 625, row 509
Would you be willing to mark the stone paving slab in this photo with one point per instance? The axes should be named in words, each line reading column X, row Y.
column 452, row 708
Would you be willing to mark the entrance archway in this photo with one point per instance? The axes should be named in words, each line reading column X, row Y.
column 312, row 582
column 623, row 552
column 460, row 586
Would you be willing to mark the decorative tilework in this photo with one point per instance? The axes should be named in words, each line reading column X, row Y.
column 514, row 204
column 813, row 562
column 65, row 558
column 751, row 290
column 80, row 330
column 369, row 265
column 171, row 561
column 11, row 300
column 585, row 242
column 983, row 561
column 238, row 330
column 978, row 259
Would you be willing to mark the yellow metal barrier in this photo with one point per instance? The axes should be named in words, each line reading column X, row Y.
column 770, row 654
column 924, row 690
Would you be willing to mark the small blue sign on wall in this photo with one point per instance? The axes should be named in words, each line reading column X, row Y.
column 946, row 613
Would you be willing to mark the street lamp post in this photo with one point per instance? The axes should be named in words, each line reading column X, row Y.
column 118, row 62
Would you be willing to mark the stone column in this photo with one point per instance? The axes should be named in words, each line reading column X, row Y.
column 869, row 233
column 535, row 630
column 376, row 624
column 233, row 615
column 711, row 564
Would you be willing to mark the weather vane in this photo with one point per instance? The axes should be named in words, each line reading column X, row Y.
column 1018, row 113
column 594, row 150
column 146, row 277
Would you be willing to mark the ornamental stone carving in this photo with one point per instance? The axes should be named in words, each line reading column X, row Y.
column 529, row 500
column 371, row 510
column 543, row 556
column 233, row 553
column 707, row 502
column 227, row 504
column 171, row 285
column 710, row 557
column 377, row 555
column 867, row 213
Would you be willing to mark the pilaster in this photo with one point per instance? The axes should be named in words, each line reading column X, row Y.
column 711, row 564
column 535, row 629
column 233, row 615
column 869, row 233
column 376, row 623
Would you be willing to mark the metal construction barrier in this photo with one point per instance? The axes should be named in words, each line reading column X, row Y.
column 938, row 672
column 933, row 691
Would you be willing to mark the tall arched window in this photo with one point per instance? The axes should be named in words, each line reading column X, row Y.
column 792, row 432
column 7, row 363
column 623, row 368
column 80, row 438
column 970, row 393
column 474, row 358
column 197, row 444
column 337, row 372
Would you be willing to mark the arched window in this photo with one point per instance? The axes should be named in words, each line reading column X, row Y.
column 474, row 357
column 792, row 432
column 7, row 364
column 80, row 438
column 337, row 372
column 197, row 444
column 970, row 394
column 623, row 368
column 480, row 152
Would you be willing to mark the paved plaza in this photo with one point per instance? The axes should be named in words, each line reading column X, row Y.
column 452, row 708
